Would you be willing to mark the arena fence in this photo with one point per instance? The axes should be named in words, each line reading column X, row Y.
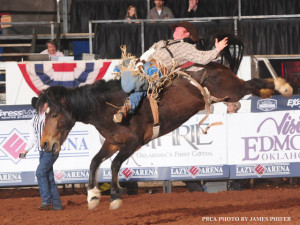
column 264, row 144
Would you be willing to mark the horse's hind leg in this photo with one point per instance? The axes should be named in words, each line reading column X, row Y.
column 283, row 87
column 106, row 151
column 265, row 88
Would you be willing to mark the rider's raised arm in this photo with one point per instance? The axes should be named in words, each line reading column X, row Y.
column 201, row 57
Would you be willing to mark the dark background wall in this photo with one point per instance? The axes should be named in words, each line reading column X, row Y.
column 261, row 36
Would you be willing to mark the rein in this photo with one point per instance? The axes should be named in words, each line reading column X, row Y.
column 114, row 106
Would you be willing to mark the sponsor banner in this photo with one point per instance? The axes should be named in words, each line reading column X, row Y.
column 136, row 174
column 254, row 145
column 185, row 146
column 16, row 112
column 17, row 178
column 75, row 152
column 71, row 176
column 264, row 170
column 199, row 172
column 268, row 142
column 29, row 178
column 276, row 103
column 12, row 178
column 13, row 137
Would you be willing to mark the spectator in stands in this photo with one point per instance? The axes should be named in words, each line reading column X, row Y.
column 44, row 173
column 233, row 107
column 51, row 49
column 160, row 11
column 131, row 13
column 193, row 9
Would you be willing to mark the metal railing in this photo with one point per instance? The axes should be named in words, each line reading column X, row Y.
column 50, row 23
column 193, row 20
column 266, row 60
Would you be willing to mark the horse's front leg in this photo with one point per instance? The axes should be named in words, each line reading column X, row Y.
column 115, row 189
column 105, row 152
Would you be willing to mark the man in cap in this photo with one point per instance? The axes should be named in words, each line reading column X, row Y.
column 44, row 172
column 160, row 11
column 165, row 55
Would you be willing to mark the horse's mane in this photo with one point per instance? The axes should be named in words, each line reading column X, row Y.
column 78, row 100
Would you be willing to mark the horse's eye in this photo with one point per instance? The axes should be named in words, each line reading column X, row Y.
column 54, row 115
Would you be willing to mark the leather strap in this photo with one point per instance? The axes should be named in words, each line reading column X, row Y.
column 166, row 47
column 155, row 114
column 205, row 97
column 212, row 124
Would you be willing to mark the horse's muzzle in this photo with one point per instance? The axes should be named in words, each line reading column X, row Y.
column 50, row 148
column 45, row 146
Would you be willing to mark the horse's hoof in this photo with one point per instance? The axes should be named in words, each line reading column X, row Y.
column 283, row 87
column 93, row 198
column 288, row 91
column 93, row 204
column 115, row 204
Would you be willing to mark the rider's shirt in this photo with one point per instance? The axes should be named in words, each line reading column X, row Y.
column 182, row 52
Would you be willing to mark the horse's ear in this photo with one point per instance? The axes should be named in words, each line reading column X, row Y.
column 40, row 102
column 33, row 102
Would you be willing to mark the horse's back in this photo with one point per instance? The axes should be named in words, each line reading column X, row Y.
column 220, row 81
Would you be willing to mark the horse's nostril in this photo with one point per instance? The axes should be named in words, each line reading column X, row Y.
column 45, row 145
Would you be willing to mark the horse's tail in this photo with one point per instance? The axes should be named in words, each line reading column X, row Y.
column 265, row 88
column 231, row 55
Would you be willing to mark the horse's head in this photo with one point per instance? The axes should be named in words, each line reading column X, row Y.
column 58, row 118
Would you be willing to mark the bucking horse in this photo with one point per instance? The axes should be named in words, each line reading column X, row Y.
column 178, row 102
column 92, row 104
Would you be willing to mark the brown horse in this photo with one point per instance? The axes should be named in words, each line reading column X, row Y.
column 180, row 101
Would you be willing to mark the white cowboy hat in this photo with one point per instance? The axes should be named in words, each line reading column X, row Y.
column 237, row 105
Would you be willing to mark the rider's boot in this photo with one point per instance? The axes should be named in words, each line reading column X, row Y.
column 122, row 113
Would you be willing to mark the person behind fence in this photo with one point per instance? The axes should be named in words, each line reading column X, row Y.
column 52, row 49
column 44, row 173
column 131, row 13
column 233, row 107
column 160, row 11
column 159, row 60
column 193, row 9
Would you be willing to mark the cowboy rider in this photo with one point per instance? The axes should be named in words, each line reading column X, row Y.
column 162, row 57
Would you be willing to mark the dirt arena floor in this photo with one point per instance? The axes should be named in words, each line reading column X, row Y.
column 261, row 205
